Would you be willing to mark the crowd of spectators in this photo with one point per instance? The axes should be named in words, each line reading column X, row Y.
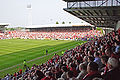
column 97, row 59
column 82, row 35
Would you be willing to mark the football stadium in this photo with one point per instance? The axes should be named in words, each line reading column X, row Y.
column 66, row 51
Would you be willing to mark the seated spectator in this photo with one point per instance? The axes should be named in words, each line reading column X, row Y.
column 114, row 71
column 117, row 44
column 77, row 65
column 104, row 60
column 117, row 38
column 73, row 69
column 48, row 76
column 70, row 75
column 90, row 53
column 64, row 70
column 97, row 59
column 92, row 69
column 39, row 75
column 90, row 59
column 85, row 60
column 108, row 52
column 57, row 72
column 116, row 54
column 83, row 71
column 7, row 77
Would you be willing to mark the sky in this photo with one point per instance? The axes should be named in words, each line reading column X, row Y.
column 43, row 12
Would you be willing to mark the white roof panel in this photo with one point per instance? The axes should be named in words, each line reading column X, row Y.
column 59, row 25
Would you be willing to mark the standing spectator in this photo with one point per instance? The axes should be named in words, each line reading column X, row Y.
column 25, row 64
column 46, row 52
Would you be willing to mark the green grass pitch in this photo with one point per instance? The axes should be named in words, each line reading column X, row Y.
column 14, row 51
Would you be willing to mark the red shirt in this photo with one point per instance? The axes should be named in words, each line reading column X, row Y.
column 20, row 71
column 75, row 73
column 106, row 69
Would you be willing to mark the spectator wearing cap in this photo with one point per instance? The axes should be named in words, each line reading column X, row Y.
column 83, row 71
column 114, row 71
column 92, row 69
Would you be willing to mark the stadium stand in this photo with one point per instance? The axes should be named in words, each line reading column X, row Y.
column 55, row 32
column 81, row 34
column 98, row 59
column 65, row 67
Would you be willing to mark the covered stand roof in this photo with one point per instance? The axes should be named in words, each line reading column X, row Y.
column 77, row 0
column 59, row 25
column 101, row 13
